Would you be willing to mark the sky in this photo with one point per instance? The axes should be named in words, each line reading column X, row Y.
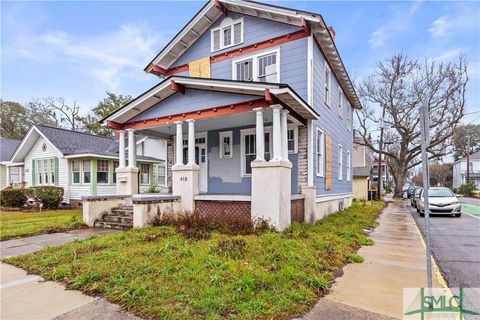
column 80, row 49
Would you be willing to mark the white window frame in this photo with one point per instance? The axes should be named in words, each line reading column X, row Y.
column 108, row 172
column 245, row 132
column 328, row 84
column 254, row 59
column 293, row 127
column 79, row 172
column 320, row 166
column 46, row 173
column 156, row 171
column 349, row 164
column 83, row 172
column 340, row 162
column 227, row 22
column 141, row 173
column 222, row 135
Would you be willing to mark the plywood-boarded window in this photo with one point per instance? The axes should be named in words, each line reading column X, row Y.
column 199, row 68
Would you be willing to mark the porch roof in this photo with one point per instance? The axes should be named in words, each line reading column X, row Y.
column 269, row 92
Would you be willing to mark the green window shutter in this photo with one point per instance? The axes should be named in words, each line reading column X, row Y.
column 33, row 172
column 56, row 171
column 111, row 169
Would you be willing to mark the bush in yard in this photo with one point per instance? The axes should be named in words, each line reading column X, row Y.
column 466, row 189
column 13, row 197
column 49, row 196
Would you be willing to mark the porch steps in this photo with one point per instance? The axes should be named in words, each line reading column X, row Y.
column 119, row 218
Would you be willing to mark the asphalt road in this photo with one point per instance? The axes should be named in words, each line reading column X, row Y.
column 474, row 201
column 455, row 247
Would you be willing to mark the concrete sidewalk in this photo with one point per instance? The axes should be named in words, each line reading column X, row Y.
column 25, row 296
column 374, row 289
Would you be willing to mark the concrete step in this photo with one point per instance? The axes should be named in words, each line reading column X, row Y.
column 117, row 218
column 113, row 225
column 121, row 212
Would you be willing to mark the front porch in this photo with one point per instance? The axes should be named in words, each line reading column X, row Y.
column 240, row 156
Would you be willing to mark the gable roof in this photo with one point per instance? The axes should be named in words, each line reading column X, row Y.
column 70, row 143
column 7, row 148
column 213, row 10
column 164, row 89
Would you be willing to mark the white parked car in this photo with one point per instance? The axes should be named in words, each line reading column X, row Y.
column 441, row 201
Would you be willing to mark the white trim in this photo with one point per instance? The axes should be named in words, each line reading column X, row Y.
column 340, row 162
column 221, row 136
column 310, row 137
column 254, row 58
column 349, row 165
column 222, row 197
column 11, row 164
column 220, row 28
column 322, row 152
column 310, row 70
column 79, row 172
column 249, row 131
column 330, row 197
column 27, row 136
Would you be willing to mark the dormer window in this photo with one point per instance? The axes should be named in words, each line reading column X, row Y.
column 229, row 33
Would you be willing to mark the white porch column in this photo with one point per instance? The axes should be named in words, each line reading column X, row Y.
column 132, row 151
column 284, row 129
column 121, row 148
column 260, row 136
column 277, row 145
column 179, row 144
column 191, row 141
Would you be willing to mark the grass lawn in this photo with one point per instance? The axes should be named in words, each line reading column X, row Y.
column 20, row 224
column 471, row 209
column 159, row 273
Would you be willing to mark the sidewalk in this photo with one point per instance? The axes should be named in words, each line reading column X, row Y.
column 25, row 296
column 374, row 289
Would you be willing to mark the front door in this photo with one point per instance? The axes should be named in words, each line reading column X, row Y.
column 201, row 160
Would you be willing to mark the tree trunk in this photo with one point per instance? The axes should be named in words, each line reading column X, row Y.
column 399, row 182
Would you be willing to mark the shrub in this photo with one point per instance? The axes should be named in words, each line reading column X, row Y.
column 466, row 189
column 152, row 189
column 49, row 196
column 13, row 197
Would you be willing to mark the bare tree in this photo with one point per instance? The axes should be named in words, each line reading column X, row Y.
column 56, row 112
column 401, row 85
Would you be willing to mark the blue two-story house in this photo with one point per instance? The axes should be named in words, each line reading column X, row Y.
column 257, row 108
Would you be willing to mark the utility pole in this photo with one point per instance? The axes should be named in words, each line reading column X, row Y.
column 425, row 141
column 468, row 158
column 380, row 149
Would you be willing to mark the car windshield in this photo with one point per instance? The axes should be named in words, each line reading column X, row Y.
column 438, row 193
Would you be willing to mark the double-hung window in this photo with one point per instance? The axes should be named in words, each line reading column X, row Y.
column 348, row 165
column 226, row 144
column 261, row 67
column 145, row 173
column 86, row 171
column 45, row 171
column 292, row 137
column 320, row 152
column 102, row 171
column 159, row 173
column 327, row 80
column 249, row 149
column 229, row 33
column 340, row 162
column 76, row 171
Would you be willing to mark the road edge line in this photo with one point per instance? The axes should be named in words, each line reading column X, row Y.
column 436, row 269
column 471, row 215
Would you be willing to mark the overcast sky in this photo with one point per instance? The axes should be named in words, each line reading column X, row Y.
column 78, row 50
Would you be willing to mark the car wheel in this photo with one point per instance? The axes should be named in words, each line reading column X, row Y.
column 458, row 215
column 418, row 210
column 422, row 214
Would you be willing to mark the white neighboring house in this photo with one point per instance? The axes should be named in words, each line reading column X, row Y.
column 83, row 164
column 8, row 176
column 460, row 170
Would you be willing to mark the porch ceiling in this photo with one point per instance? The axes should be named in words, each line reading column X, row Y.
column 263, row 94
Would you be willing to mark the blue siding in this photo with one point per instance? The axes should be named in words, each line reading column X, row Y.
column 224, row 175
column 190, row 101
column 254, row 30
column 334, row 124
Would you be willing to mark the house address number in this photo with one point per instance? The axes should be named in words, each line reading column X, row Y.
column 183, row 179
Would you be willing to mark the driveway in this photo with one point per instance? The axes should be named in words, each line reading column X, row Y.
column 24, row 296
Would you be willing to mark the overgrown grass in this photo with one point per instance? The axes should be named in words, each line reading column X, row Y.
column 20, row 224
column 160, row 273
